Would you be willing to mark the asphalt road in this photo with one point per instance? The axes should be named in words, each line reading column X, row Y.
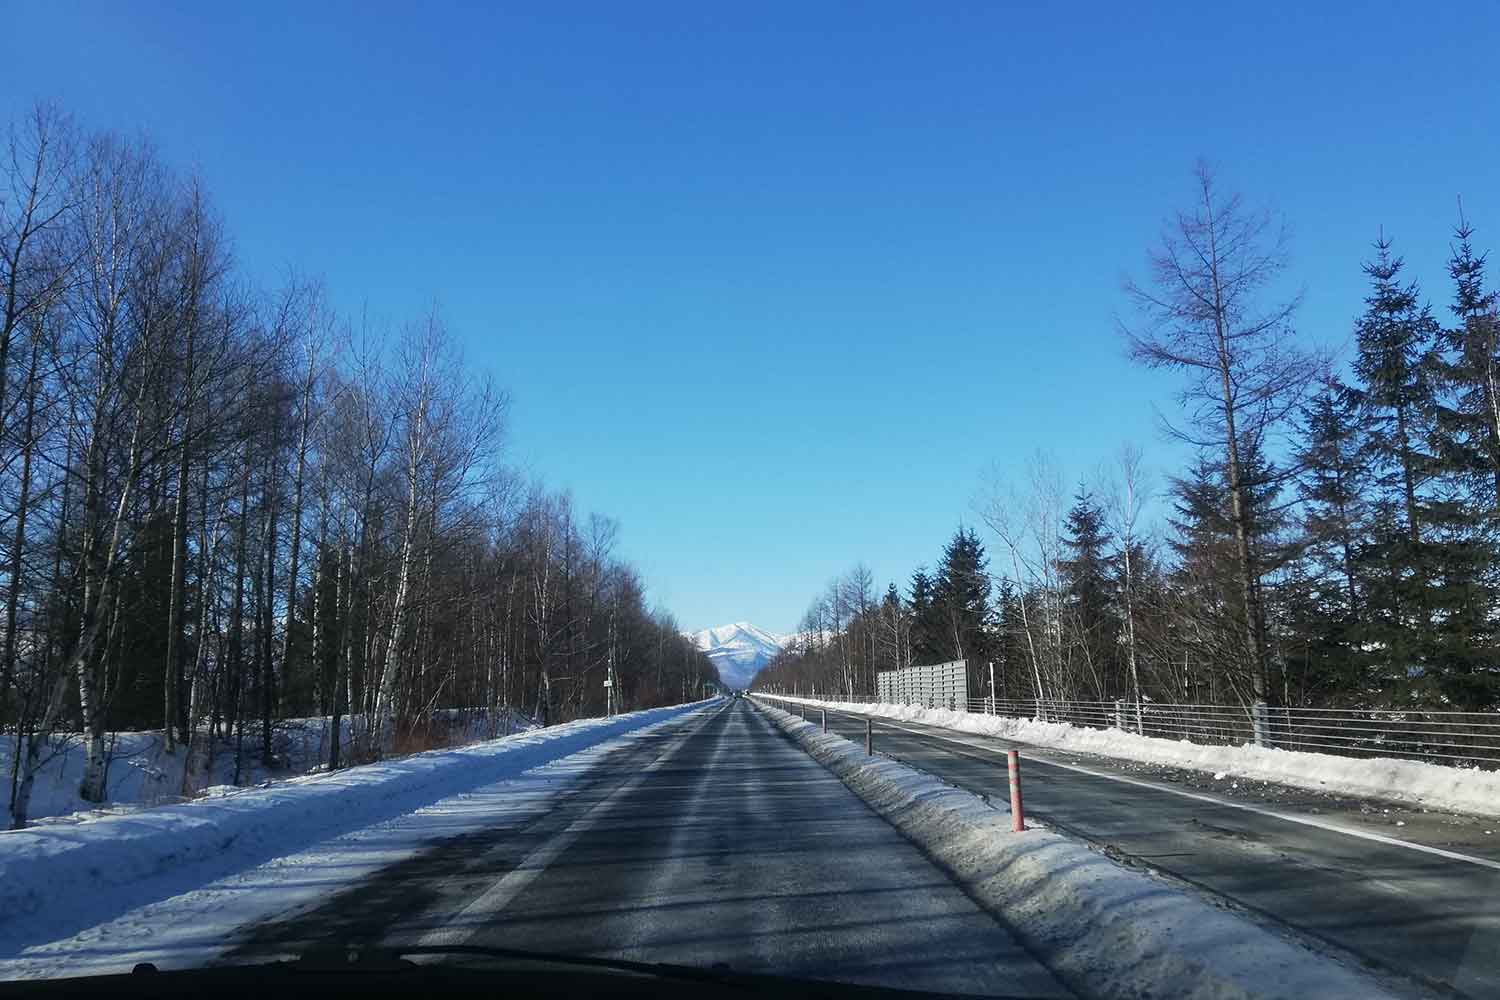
column 1418, row 914
column 713, row 840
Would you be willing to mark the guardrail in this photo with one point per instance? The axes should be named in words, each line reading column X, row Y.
column 1436, row 736
column 800, row 708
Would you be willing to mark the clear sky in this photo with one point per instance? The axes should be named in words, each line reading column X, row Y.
column 775, row 283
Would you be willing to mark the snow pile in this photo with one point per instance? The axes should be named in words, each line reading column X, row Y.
column 141, row 773
column 1432, row 786
column 1104, row 930
column 62, row 877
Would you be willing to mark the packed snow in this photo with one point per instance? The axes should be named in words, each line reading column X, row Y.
column 140, row 772
column 64, row 878
column 1431, row 786
column 1103, row 929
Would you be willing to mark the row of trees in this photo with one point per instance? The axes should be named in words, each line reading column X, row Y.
column 220, row 507
column 1333, row 542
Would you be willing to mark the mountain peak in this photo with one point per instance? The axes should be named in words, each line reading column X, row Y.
column 738, row 649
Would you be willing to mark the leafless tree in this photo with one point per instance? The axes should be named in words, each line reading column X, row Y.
column 1201, row 313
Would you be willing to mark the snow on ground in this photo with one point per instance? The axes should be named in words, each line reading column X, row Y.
column 61, row 879
column 1104, row 930
column 141, row 773
column 1432, row 786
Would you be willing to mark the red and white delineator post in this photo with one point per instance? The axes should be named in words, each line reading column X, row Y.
column 1017, row 815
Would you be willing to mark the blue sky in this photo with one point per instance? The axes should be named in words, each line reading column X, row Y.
column 774, row 284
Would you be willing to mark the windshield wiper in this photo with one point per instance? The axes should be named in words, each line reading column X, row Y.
column 391, row 958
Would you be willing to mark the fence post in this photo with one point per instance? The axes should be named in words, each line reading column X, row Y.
column 1119, row 714
column 1260, row 724
column 1017, row 815
column 869, row 738
column 823, row 718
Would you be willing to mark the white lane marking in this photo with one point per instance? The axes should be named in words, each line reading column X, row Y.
column 1320, row 824
column 467, row 922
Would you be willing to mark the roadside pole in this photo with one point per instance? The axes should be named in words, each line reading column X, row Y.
column 1017, row 815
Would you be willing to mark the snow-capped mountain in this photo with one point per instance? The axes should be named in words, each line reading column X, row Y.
column 738, row 650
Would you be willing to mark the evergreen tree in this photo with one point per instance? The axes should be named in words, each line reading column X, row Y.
column 1428, row 568
column 1471, row 367
column 1398, row 406
column 924, row 624
column 1210, row 594
column 961, row 599
column 1013, row 675
column 895, row 630
column 1397, row 410
column 1207, row 599
column 1322, row 600
column 1089, row 595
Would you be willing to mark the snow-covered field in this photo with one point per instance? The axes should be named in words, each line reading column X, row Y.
column 1104, row 929
column 170, row 880
column 142, row 773
column 1432, row 786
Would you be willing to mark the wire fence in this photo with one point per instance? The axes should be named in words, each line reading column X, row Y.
column 1439, row 737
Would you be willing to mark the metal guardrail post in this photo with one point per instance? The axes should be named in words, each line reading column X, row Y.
column 869, row 738
column 823, row 718
column 1017, row 814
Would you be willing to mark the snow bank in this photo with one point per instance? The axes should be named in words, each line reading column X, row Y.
column 142, row 773
column 62, row 877
column 1431, row 786
column 1104, row 930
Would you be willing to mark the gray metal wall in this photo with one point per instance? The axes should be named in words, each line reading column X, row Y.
column 934, row 685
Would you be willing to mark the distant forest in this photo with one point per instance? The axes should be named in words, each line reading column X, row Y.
column 221, row 505
column 1335, row 542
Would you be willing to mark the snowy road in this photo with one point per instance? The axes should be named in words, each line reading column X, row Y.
column 714, row 839
column 1419, row 913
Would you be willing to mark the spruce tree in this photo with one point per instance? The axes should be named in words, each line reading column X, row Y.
column 924, row 626
column 1210, row 593
column 1470, row 366
column 1428, row 568
column 1322, row 599
column 1398, row 406
column 1089, row 595
column 1013, row 673
column 961, row 599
